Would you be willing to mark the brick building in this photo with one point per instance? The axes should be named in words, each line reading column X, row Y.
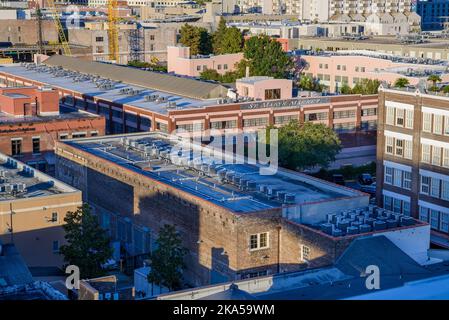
column 413, row 157
column 32, row 210
column 149, row 101
column 235, row 222
column 31, row 120
column 25, row 31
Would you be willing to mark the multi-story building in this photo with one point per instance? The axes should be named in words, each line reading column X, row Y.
column 32, row 211
column 434, row 13
column 437, row 49
column 234, row 221
column 164, row 102
column 413, row 156
column 31, row 120
column 179, row 61
column 25, row 31
column 349, row 67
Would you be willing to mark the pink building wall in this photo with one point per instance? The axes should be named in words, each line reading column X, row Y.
column 254, row 87
column 352, row 67
column 180, row 62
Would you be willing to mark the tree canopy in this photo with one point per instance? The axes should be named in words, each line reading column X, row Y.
column 197, row 38
column 307, row 145
column 366, row 86
column 401, row 82
column 308, row 83
column 167, row 260
column 87, row 243
column 265, row 57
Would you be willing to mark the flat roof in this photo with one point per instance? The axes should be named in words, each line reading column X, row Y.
column 197, row 173
column 65, row 113
column 19, row 181
column 89, row 88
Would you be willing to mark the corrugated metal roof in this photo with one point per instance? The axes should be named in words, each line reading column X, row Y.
column 153, row 80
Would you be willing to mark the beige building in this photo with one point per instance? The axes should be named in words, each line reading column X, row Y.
column 32, row 211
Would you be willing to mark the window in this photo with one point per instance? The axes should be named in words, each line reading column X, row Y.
column 425, row 157
column 436, row 156
column 424, row 214
column 344, row 114
column 409, row 119
column 257, row 122
column 425, row 185
column 99, row 39
column 78, row 135
column 258, row 241
column 397, row 205
column 63, row 136
column 94, row 133
column 389, row 116
column 446, row 125
column 225, row 66
column 407, row 183
column 427, row 122
column 389, row 175
column 198, row 68
column 445, row 190
column 435, row 187
column 305, row 253
column 219, row 67
column 284, row 119
column 397, row 178
column 369, row 112
column 406, row 208
column 389, row 141
column 388, row 202
column 444, row 222
column 316, row 116
column 400, row 117
column 437, row 124
column 152, row 37
column 55, row 246
column 434, row 218
column 36, row 145
column 54, row 217
column 271, row 94
column 408, row 149
column 399, row 151
column 16, row 147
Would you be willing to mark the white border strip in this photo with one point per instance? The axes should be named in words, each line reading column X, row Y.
column 433, row 206
column 395, row 195
column 400, row 105
column 435, row 143
column 434, row 175
column 396, row 165
column 398, row 135
column 437, row 111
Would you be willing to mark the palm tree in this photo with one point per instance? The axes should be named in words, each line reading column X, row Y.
column 434, row 78
column 401, row 82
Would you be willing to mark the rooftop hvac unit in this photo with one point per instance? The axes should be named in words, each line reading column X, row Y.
column 364, row 228
column 243, row 182
column 161, row 99
column 148, row 149
column 326, row 228
column 4, row 173
column 230, row 175
column 9, row 188
column 222, row 173
column 164, row 153
column 407, row 221
column 21, row 187
column 281, row 195
column 272, row 191
column 352, row 230
column 204, row 167
column 171, row 104
column 290, row 198
column 133, row 143
column 391, row 223
column 141, row 146
column 337, row 233
column 151, row 97
column 237, row 179
column 197, row 165
column 212, row 169
column 251, row 185
column 379, row 225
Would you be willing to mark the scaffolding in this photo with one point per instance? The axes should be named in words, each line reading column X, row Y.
column 62, row 37
column 136, row 45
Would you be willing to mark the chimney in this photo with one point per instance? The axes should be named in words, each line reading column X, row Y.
column 247, row 72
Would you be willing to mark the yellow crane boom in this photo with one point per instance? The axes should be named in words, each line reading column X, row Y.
column 113, row 31
column 62, row 38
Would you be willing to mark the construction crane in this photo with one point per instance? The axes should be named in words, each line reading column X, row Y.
column 40, row 41
column 62, row 38
column 113, row 31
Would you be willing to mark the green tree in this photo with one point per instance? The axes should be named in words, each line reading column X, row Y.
column 210, row 74
column 265, row 57
column 308, row 145
column 306, row 82
column 446, row 89
column 87, row 243
column 345, row 89
column 434, row 78
column 366, row 86
column 226, row 40
column 218, row 36
column 401, row 82
column 167, row 260
column 197, row 38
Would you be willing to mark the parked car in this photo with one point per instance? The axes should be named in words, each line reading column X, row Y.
column 338, row 179
column 370, row 189
column 365, row 179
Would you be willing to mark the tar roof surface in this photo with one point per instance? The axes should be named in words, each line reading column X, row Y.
column 207, row 187
column 147, row 79
column 113, row 95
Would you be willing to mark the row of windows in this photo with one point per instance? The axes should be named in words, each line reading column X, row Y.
column 438, row 220
column 398, row 147
column 397, row 205
column 399, row 117
column 435, row 155
column 398, row 178
column 344, row 114
column 435, row 123
column 219, row 67
column 345, row 127
column 435, row 187
column 256, row 122
column 284, row 119
column 224, row 124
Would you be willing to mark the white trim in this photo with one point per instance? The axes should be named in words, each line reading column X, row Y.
column 435, row 175
column 436, row 111
column 399, row 166
column 435, row 143
column 395, row 195
column 42, row 207
column 398, row 135
column 432, row 206
column 399, row 105
column 53, row 113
